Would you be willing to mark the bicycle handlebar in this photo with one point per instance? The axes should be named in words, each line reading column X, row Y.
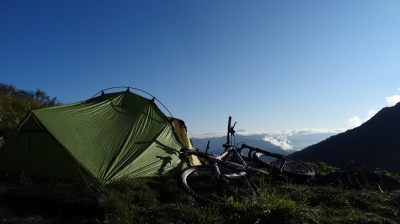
column 228, row 134
column 184, row 152
column 231, row 132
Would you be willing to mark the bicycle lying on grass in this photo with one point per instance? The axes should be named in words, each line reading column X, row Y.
column 229, row 176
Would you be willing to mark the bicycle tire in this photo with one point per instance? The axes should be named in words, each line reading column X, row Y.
column 277, row 163
column 204, row 185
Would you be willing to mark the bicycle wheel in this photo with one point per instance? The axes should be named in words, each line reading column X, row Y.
column 205, row 185
column 285, row 165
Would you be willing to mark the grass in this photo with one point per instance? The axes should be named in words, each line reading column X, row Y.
column 153, row 200
column 162, row 200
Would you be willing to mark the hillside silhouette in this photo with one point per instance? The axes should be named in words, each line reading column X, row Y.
column 374, row 144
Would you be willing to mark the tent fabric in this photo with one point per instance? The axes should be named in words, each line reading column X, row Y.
column 181, row 131
column 111, row 136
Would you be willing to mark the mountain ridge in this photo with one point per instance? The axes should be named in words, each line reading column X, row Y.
column 374, row 144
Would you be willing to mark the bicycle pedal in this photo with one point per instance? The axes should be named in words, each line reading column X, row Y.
column 234, row 175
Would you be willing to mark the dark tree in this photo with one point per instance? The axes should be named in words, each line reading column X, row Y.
column 15, row 104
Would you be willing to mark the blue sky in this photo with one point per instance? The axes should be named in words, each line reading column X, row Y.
column 272, row 65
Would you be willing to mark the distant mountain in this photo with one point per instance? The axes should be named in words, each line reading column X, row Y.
column 252, row 140
column 273, row 142
column 374, row 144
column 300, row 140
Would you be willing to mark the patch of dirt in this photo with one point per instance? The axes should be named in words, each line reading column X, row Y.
column 47, row 204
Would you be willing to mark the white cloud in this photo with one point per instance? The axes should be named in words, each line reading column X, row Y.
column 308, row 131
column 392, row 100
column 371, row 113
column 210, row 135
column 356, row 121
column 276, row 134
column 281, row 141
column 353, row 122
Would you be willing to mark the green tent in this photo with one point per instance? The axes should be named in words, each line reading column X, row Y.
column 107, row 137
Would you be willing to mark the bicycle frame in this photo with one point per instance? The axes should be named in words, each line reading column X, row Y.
column 215, row 160
column 253, row 150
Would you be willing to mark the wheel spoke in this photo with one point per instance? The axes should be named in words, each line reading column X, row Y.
column 205, row 185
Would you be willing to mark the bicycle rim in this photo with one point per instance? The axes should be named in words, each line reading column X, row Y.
column 203, row 184
column 285, row 165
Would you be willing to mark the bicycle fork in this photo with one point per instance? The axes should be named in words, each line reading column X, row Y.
column 228, row 178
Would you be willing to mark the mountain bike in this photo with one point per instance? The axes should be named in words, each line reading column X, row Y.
column 229, row 175
column 223, row 179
